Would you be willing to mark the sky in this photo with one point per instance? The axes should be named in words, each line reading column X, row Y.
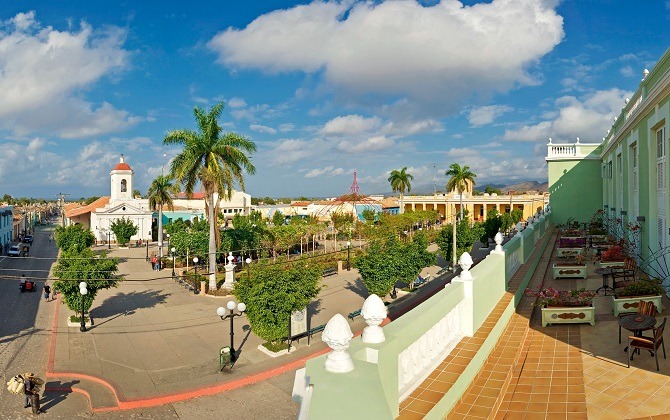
column 323, row 88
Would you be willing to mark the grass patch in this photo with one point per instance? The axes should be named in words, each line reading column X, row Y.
column 275, row 347
column 76, row 318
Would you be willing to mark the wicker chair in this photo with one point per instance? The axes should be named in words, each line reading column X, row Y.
column 627, row 271
column 648, row 343
column 643, row 308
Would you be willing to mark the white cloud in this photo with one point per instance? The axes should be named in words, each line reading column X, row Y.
column 400, row 48
column 487, row 114
column 371, row 144
column 286, row 127
column 627, row 71
column 43, row 72
column 462, row 151
column 350, row 125
column 327, row 171
column 236, row 103
column 262, row 129
column 587, row 117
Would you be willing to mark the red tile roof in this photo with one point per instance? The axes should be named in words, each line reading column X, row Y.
column 122, row 166
column 100, row 202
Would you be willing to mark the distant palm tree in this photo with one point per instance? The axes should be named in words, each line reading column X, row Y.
column 160, row 194
column 459, row 179
column 216, row 160
column 400, row 182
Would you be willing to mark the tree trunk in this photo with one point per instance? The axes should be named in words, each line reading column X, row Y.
column 402, row 207
column 212, row 242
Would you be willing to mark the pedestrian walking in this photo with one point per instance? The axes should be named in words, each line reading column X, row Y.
column 154, row 262
column 28, row 389
column 47, row 292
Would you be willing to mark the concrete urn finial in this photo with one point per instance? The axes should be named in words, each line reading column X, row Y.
column 465, row 262
column 530, row 220
column 374, row 312
column 499, row 240
column 337, row 335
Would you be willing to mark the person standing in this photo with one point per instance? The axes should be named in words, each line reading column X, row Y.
column 28, row 389
column 47, row 292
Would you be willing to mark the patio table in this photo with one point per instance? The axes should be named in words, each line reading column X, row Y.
column 636, row 323
column 605, row 272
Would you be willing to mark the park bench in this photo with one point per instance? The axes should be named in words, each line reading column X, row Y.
column 354, row 314
column 329, row 272
column 307, row 334
column 420, row 281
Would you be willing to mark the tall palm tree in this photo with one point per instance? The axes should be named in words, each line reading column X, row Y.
column 160, row 194
column 216, row 160
column 460, row 176
column 400, row 181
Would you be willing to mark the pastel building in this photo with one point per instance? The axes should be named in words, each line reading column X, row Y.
column 6, row 225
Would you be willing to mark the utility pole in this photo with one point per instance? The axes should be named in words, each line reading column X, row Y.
column 434, row 183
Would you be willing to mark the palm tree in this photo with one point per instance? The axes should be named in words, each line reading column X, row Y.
column 160, row 194
column 216, row 160
column 459, row 179
column 400, row 181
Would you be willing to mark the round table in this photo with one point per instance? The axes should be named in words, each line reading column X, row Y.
column 637, row 323
column 605, row 272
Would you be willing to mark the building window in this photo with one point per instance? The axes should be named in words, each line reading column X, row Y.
column 660, row 159
column 124, row 185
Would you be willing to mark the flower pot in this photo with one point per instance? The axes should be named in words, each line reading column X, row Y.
column 629, row 304
column 569, row 315
column 604, row 264
column 574, row 271
column 569, row 252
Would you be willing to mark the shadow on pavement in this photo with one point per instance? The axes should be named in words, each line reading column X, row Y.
column 314, row 308
column 57, row 392
column 358, row 287
column 123, row 303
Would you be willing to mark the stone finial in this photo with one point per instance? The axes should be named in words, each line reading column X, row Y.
column 645, row 73
column 465, row 261
column 530, row 220
column 337, row 335
column 577, row 140
column 614, row 119
column 549, row 140
column 626, row 101
column 374, row 312
column 499, row 240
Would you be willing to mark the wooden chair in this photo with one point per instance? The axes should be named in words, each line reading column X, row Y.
column 627, row 271
column 643, row 308
column 648, row 343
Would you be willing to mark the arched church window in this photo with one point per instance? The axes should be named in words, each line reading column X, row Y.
column 124, row 185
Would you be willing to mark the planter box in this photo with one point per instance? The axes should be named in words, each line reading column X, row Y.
column 629, row 304
column 569, row 252
column 569, row 315
column 598, row 238
column 569, row 271
column 604, row 264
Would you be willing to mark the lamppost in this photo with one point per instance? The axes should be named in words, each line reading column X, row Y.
column 147, row 246
column 109, row 239
column 221, row 311
column 348, row 255
column 25, row 223
column 248, row 261
column 195, row 266
column 173, row 250
column 168, row 245
column 84, row 292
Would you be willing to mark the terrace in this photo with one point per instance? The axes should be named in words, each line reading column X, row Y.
column 478, row 351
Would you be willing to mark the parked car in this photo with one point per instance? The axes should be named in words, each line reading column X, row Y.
column 14, row 251
column 28, row 239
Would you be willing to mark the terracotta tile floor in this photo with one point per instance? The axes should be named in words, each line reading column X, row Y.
column 561, row 371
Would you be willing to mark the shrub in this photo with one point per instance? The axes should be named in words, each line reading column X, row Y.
column 552, row 297
column 615, row 253
column 640, row 288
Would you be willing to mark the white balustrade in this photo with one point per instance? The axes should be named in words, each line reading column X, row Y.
column 417, row 361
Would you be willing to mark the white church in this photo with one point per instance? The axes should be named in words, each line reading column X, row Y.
column 100, row 214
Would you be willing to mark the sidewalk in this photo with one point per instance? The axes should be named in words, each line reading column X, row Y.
column 155, row 343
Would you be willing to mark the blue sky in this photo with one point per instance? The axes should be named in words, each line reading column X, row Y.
column 323, row 88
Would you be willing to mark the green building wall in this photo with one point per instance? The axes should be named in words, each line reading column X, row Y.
column 575, row 188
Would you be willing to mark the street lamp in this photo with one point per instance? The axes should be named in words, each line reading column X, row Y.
column 348, row 255
column 195, row 266
column 168, row 245
column 83, row 291
column 221, row 311
column 248, row 261
column 147, row 244
column 109, row 239
column 173, row 250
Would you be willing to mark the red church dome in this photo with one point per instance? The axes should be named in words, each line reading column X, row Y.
column 122, row 165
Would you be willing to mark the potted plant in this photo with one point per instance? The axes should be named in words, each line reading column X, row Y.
column 569, row 247
column 626, row 299
column 613, row 257
column 574, row 268
column 565, row 306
